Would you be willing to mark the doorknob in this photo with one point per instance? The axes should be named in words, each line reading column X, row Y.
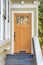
column 14, row 36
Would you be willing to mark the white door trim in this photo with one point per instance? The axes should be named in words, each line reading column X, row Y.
column 12, row 39
column 23, row 6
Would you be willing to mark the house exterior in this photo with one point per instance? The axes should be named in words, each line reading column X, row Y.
column 28, row 7
column 20, row 27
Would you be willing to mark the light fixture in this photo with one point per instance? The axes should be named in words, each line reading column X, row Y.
column 22, row 2
column 35, row 2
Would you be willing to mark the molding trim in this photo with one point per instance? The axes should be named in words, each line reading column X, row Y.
column 37, row 21
column 1, row 19
column 12, row 39
column 23, row 6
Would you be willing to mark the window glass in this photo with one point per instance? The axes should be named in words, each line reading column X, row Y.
column 26, row 20
column 22, row 20
column 18, row 19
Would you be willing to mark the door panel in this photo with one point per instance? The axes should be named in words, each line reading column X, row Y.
column 22, row 37
column 22, row 29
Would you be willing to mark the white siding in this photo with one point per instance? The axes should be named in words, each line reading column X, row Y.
column 0, row 25
column 0, row 17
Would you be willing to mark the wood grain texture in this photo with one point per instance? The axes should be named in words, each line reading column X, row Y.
column 23, row 35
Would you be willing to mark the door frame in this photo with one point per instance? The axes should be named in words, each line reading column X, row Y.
column 12, row 33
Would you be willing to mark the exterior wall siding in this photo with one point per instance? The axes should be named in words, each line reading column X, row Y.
column 0, row 26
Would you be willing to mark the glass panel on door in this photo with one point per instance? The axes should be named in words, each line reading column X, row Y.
column 18, row 19
column 26, row 20
column 22, row 20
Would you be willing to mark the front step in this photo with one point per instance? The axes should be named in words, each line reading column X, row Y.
column 20, row 56
column 19, row 59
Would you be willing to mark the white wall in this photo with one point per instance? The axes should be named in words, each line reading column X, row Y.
column 0, row 26
column 7, row 25
column 0, row 5
column 0, row 17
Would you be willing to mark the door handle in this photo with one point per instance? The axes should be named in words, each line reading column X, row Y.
column 14, row 36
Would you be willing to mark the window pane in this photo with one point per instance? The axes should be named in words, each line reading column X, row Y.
column 18, row 19
column 22, row 19
column 26, row 20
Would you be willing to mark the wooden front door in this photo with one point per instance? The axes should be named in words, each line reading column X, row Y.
column 22, row 33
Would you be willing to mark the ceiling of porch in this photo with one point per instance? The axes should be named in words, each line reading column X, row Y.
column 19, row 1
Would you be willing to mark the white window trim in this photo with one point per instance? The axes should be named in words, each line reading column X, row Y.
column 12, row 39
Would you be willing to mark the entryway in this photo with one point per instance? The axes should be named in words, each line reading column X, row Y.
column 22, row 32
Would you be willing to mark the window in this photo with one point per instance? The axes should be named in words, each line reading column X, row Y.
column 26, row 20
column 18, row 19
column 22, row 20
